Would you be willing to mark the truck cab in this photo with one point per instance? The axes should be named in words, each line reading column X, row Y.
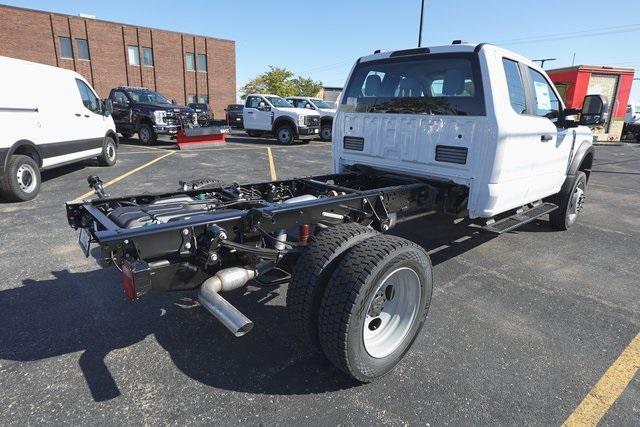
column 326, row 110
column 476, row 115
column 264, row 113
column 148, row 113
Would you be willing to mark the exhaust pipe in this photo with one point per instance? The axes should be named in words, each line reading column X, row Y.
column 226, row 280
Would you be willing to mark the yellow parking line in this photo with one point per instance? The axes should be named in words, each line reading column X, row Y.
column 609, row 388
column 123, row 176
column 272, row 166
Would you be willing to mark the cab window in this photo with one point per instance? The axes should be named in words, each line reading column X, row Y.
column 254, row 101
column 546, row 103
column 119, row 98
column 89, row 99
column 515, row 86
column 439, row 84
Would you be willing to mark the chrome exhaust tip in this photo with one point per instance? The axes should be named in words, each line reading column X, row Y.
column 226, row 313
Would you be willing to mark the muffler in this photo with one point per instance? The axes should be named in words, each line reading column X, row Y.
column 226, row 280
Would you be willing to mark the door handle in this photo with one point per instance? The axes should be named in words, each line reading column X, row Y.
column 78, row 114
column 86, row 115
column 249, row 112
column 546, row 137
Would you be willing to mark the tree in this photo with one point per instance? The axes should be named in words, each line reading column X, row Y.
column 280, row 81
column 307, row 86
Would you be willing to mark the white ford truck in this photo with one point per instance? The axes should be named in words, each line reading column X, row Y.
column 465, row 130
column 326, row 110
column 275, row 115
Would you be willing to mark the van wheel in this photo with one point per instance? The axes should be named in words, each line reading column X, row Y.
column 375, row 305
column 21, row 181
column 285, row 134
column 109, row 154
column 325, row 132
column 569, row 203
column 146, row 134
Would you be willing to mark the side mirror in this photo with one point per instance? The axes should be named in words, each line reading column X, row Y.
column 595, row 110
column 107, row 107
column 173, row 101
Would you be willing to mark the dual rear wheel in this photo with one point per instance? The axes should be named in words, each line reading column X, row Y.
column 361, row 298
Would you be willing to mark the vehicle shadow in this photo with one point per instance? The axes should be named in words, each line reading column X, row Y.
column 87, row 312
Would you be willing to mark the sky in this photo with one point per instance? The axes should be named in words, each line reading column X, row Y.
column 322, row 39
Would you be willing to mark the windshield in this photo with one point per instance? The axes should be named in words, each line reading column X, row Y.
column 321, row 104
column 442, row 84
column 148, row 96
column 276, row 101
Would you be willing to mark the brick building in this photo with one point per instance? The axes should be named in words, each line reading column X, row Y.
column 184, row 67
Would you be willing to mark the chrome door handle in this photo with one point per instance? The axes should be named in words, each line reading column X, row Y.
column 546, row 137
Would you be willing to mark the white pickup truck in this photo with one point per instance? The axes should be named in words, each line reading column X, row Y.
column 464, row 130
column 326, row 110
column 275, row 115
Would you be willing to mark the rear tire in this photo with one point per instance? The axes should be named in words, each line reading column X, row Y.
column 311, row 274
column 285, row 134
column 109, row 155
column 147, row 135
column 569, row 203
column 375, row 305
column 21, row 180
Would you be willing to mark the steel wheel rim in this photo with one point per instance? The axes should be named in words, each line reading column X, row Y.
column 111, row 152
column 26, row 176
column 576, row 203
column 391, row 313
column 144, row 134
column 284, row 135
column 326, row 133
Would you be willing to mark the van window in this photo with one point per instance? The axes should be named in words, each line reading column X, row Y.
column 515, row 86
column 441, row 84
column 89, row 99
column 546, row 102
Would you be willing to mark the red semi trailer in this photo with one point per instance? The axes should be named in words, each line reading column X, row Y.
column 574, row 83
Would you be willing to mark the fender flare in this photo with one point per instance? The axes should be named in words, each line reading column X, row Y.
column 5, row 154
column 284, row 119
column 584, row 152
column 113, row 135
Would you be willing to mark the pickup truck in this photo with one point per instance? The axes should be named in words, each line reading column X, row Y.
column 274, row 115
column 326, row 110
column 468, row 131
column 148, row 113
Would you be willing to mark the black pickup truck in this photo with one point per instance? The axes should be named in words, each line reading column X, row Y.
column 148, row 113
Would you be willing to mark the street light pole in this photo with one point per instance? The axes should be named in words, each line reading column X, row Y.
column 421, row 19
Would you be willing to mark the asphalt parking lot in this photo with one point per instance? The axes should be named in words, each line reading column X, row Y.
column 526, row 328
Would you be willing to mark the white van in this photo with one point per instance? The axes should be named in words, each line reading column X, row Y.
column 49, row 117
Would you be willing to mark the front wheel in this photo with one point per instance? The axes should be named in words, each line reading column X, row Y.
column 109, row 154
column 21, row 179
column 325, row 132
column 146, row 134
column 375, row 305
column 570, row 203
column 285, row 134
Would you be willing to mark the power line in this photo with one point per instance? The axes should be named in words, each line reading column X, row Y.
column 573, row 35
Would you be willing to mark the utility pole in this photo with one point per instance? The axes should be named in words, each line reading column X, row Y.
column 421, row 19
column 543, row 60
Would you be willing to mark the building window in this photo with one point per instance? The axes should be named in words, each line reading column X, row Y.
column 204, row 99
column 191, row 99
column 82, row 48
column 190, row 61
column 202, row 62
column 66, row 51
column 134, row 55
column 147, row 56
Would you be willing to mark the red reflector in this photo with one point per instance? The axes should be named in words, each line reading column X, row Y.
column 128, row 281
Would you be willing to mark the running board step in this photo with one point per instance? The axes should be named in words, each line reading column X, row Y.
column 520, row 218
